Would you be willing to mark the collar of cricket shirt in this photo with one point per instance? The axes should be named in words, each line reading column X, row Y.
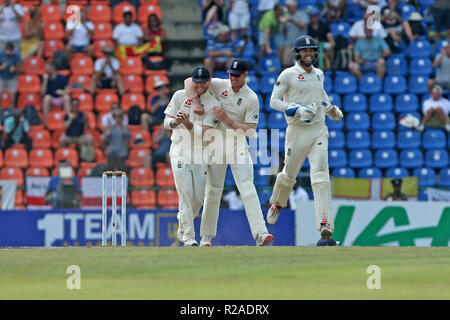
column 241, row 90
column 301, row 70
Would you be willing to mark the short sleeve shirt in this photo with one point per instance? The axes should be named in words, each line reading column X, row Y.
column 9, row 25
column 80, row 36
column 432, row 104
column 370, row 50
column 11, row 61
column 60, row 82
column 268, row 20
column 127, row 35
column 114, row 66
column 319, row 34
column 76, row 127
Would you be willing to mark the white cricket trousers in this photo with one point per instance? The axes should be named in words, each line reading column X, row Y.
column 301, row 142
column 190, row 184
column 243, row 177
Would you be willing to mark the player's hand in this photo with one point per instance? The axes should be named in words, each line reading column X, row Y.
column 302, row 112
column 220, row 113
column 333, row 111
column 182, row 116
column 198, row 109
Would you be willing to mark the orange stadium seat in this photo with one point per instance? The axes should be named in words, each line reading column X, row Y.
column 143, row 136
column 12, row 173
column 142, row 177
column 85, row 171
column 55, row 138
column 151, row 80
column 99, row 13
column 105, row 2
column 98, row 159
column 103, row 101
column 103, row 30
column 36, row 172
column 155, row 2
column 51, row 46
column 120, row 8
column 130, row 99
column 164, row 178
column 91, row 119
column 82, row 80
column 19, row 199
column 55, row 119
column 1, row 158
column 41, row 138
column 28, row 83
column 81, row 65
column 16, row 157
column 136, row 157
column 78, row 2
column 168, row 199
column 50, row 13
column 33, row 65
column 42, row 157
column 99, row 45
column 29, row 98
column 133, row 82
column 5, row 99
column 69, row 154
column 33, row 3
column 99, row 120
column 147, row 9
column 53, row 30
column 143, row 199
column 86, row 103
column 131, row 65
column 95, row 135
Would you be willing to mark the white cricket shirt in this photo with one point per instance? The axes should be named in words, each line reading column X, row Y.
column 9, row 25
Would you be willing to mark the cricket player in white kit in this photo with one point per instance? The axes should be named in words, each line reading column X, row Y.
column 239, row 111
column 299, row 93
column 189, row 173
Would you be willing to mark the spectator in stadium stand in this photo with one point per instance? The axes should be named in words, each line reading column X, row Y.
column 270, row 30
column 155, row 31
column 54, row 90
column 220, row 51
column 320, row 31
column 116, row 138
column 128, row 33
column 335, row 10
column 239, row 18
column 264, row 6
column 32, row 40
column 158, row 103
column 397, row 195
column 10, row 67
column 296, row 25
column 79, row 35
column 107, row 72
column 75, row 125
column 135, row 3
column 441, row 14
column 413, row 27
column 442, row 66
column 391, row 19
column 233, row 199
column 16, row 129
column 435, row 106
column 370, row 55
column 211, row 8
column 11, row 14
column 161, row 154
column 357, row 31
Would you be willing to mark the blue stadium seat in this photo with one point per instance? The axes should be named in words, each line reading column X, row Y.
column 419, row 49
column 358, row 139
column 369, row 84
column 345, row 84
column 394, row 84
column 337, row 158
column 396, row 66
column 434, row 139
column 403, row 114
column 406, row 102
column 360, row 158
column 262, row 175
column 340, row 28
column 408, row 139
column 380, row 102
column 261, row 100
column 249, row 50
column 427, row 177
column 383, row 139
column 383, row 121
column 386, row 158
column 269, row 66
column 262, row 123
column 411, row 158
column 328, row 84
column 266, row 84
column 421, row 67
column 252, row 82
column 418, row 84
column 355, row 102
column 354, row 12
column 436, row 158
column 335, row 99
column 444, row 177
column 397, row 173
column 267, row 107
column 229, row 180
column 336, row 139
column 264, row 196
column 370, row 173
column 357, row 121
column 282, row 140
column 334, row 125
column 343, row 173
column 276, row 120
column 406, row 10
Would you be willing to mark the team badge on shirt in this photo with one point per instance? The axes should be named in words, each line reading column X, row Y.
column 225, row 93
column 318, row 78
column 239, row 101
column 301, row 77
column 188, row 103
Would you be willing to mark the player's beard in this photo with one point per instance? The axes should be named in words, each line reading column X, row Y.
column 307, row 62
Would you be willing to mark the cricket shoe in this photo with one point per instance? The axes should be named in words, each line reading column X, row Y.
column 273, row 214
column 206, row 241
column 325, row 229
column 180, row 234
column 190, row 243
column 263, row 239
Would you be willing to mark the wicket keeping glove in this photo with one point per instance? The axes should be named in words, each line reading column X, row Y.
column 333, row 111
column 302, row 112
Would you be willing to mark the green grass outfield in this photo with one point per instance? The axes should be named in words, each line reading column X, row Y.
column 287, row 273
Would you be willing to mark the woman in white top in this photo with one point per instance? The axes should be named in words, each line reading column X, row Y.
column 239, row 18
